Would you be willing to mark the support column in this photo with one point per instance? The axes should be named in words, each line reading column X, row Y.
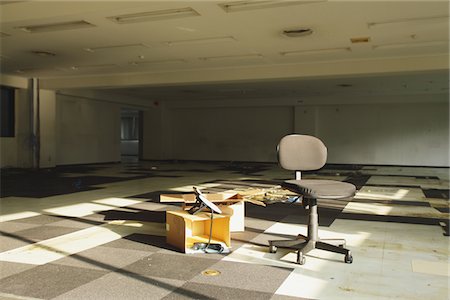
column 35, row 122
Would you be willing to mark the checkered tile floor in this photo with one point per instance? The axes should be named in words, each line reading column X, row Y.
column 98, row 232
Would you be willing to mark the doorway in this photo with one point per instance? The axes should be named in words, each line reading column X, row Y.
column 129, row 135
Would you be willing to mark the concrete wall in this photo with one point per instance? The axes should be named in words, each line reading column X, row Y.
column 383, row 129
column 47, row 131
column 231, row 134
column 156, row 133
column 87, row 131
column 392, row 134
column 392, row 130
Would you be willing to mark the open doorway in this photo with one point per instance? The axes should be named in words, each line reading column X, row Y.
column 129, row 135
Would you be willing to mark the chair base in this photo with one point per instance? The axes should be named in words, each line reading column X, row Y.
column 303, row 245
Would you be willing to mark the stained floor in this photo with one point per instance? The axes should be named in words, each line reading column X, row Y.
column 98, row 232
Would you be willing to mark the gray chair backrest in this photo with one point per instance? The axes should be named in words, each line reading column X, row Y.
column 298, row 152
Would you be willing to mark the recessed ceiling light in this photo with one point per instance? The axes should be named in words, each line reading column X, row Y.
column 316, row 51
column 11, row 2
column 113, row 47
column 163, row 61
column 35, row 70
column 236, row 6
column 156, row 15
column 410, row 45
column 56, row 26
column 202, row 41
column 93, row 66
column 299, row 32
column 409, row 20
column 229, row 57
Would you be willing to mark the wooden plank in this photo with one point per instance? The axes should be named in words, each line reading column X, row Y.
column 190, row 198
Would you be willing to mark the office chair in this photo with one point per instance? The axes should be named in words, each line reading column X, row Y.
column 304, row 153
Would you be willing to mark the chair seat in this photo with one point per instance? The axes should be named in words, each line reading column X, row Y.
column 321, row 189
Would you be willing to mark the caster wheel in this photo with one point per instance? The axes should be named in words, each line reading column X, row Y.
column 301, row 259
column 272, row 249
column 348, row 259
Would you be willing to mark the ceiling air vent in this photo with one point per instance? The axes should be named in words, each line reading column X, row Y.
column 360, row 40
column 43, row 53
column 56, row 26
column 297, row 32
column 156, row 15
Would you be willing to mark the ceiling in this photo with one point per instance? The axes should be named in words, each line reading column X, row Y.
column 106, row 44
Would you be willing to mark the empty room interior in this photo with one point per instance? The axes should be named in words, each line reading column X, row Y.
column 224, row 150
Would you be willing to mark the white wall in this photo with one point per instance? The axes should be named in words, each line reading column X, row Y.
column 386, row 134
column 383, row 130
column 87, row 131
column 156, row 133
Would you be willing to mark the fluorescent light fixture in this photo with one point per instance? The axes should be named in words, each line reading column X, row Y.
column 35, row 70
column 164, row 61
column 230, row 57
column 202, row 41
column 112, row 47
column 411, row 45
column 316, row 51
column 11, row 2
column 82, row 67
column 156, row 15
column 2, row 34
column 56, row 26
column 409, row 20
column 236, row 6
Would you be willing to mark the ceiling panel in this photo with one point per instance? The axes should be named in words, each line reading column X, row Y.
column 395, row 29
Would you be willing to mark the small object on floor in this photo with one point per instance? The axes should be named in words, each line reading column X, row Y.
column 211, row 272
column 445, row 227
column 211, row 248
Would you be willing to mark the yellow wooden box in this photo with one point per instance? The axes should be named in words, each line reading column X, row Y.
column 184, row 229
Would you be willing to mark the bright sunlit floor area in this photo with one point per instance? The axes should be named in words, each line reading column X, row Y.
column 99, row 232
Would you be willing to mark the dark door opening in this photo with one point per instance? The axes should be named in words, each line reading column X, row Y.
column 129, row 135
